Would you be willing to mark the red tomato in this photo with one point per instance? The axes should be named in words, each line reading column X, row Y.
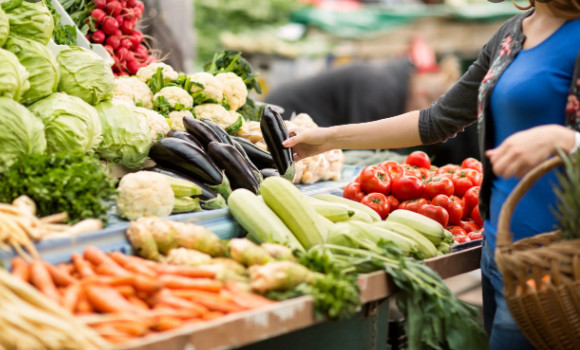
column 423, row 173
column 475, row 235
column 377, row 202
column 413, row 204
column 471, row 199
column 392, row 168
column 419, row 159
column 476, row 216
column 475, row 176
column 461, row 238
column 435, row 212
column 374, row 179
column 453, row 207
column 407, row 187
column 353, row 192
column 472, row 163
column 357, row 180
column 448, row 169
column 393, row 203
column 469, row 226
column 456, row 230
column 438, row 185
column 462, row 182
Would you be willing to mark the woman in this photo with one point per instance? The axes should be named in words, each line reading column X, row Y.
column 524, row 92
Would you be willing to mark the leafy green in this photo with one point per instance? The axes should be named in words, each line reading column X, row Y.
column 79, row 11
column 250, row 111
column 231, row 61
column 4, row 27
column 63, row 34
column 31, row 20
column 568, row 194
column 13, row 76
column 70, row 182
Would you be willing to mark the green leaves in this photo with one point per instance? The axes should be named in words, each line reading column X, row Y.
column 568, row 193
column 230, row 61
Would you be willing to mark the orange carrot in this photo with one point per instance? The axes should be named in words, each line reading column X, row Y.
column 40, row 278
column 140, row 269
column 138, row 302
column 118, row 339
column 66, row 268
column 146, row 284
column 111, row 269
column 107, row 299
column 246, row 299
column 132, row 327
column 180, row 282
column 212, row 301
column 60, row 278
column 212, row 315
column 83, row 306
column 82, row 266
column 105, row 265
column 20, row 268
column 123, row 259
column 187, row 271
column 114, row 281
column 71, row 296
column 125, row 290
column 165, row 297
column 166, row 323
column 161, row 309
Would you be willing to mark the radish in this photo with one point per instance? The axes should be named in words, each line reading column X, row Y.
column 123, row 3
column 139, row 9
column 99, row 15
column 98, row 37
column 131, row 3
column 128, row 14
column 118, row 33
column 120, row 20
column 113, row 8
column 109, row 49
column 100, row 4
column 114, row 41
column 141, row 51
column 126, row 43
column 136, row 38
column 110, row 25
column 133, row 66
column 127, row 27
column 121, row 53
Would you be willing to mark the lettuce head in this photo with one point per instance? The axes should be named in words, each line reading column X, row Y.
column 30, row 19
column 13, row 76
column 4, row 27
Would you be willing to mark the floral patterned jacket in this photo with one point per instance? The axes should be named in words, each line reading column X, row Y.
column 468, row 100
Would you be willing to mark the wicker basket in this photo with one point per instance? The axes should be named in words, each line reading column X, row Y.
column 541, row 276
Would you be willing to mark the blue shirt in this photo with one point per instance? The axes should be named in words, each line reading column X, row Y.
column 532, row 91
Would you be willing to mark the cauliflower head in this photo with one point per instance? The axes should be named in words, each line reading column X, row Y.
column 176, row 119
column 134, row 90
column 212, row 88
column 144, row 193
column 146, row 73
column 172, row 98
column 157, row 123
column 218, row 114
column 235, row 90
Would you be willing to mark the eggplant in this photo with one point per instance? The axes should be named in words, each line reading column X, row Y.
column 236, row 168
column 190, row 160
column 219, row 131
column 269, row 172
column 275, row 132
column 203, row 133
column 262, row 159
column 185, row 136
column 255, row 170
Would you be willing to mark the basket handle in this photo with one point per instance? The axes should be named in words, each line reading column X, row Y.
column 504, row 236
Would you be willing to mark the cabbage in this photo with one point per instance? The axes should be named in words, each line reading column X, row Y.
column 86, row 75
column 13, row 76
column 31, row 20
column 21, row 133
column 70, row 123
column 126, row 137
column 40, row 64
column 4, row 27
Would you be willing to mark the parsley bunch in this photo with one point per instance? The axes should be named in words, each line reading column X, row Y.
column 70, row 182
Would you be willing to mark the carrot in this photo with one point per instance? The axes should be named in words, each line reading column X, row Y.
column 82, row 266
column 140, row 269
column 118, row 280
column 123, row 259
column 146, row 284
column 107, row 299
column 71, row 296
column 83, row 306
column 66, row 268
column 212, row 315
column 118, row 339
column 166, row 323
column 165, row 297
column 20, row 268
column 212, row 301
column 246, row 299
column 180, row 282
column 40, row 278
column 161, row 309
column 111, row 269
column 105, row 265
column 186, row 271
column 60, row 278
column 136, row 328
column 138, row 302
column 125, row 290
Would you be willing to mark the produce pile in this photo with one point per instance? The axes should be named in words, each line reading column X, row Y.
column 449, row 194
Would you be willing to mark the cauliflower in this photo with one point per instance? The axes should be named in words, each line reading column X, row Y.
column 146, row 73
column 235, row 90
column 219, row 115
column 176, row 119
column 144, row 193
column 134, row 90
column 172, row 98
column 157, row 123
column 212, row 88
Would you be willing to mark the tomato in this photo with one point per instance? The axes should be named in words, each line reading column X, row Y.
column 472, row 163
column 393, row 203
column 471, row 199
column 413, row 204
column 438, row 185
column 435, row 212
column 423, row 173
column 475, row 176
column 476, row 216
column 392, row 168
column 453, row 207
column 407, row 187
column 377, row 202
column 374, row 179
column 448, row 169
column 461, row 238
column 462, row 182
column 475, row 235
column 456, row 230
column 357, row 180
column 419, row 159
column 469, row 226
column 353, row 192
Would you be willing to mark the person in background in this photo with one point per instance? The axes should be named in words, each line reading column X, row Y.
column 523, row 91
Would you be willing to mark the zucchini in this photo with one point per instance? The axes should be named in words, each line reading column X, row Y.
column 424, row 225
column 376, row 234
column 294, row 209
column 356, row 205
column 261, row 223
column 427, row 249
column 275, row 132
column 185, row 205
column 334, row 212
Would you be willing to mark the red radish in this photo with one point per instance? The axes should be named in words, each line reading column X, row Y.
column 127, row 27
column 123, row 74
column 131, row 3
column 123, row 3
column 128, row 14
column 113, row 41
column 88, row 37
column 141, row 51
column 136, row 38
column 133, row 66
column 99, row 15
column 110, row 25
column 121, row 53
column 118, row 33
column 113, row 8
column 100, row 4
column 126, row 43
column 109, row 49
column 139, row 8
column 98, row 37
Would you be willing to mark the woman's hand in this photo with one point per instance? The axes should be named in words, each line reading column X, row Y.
column 307, row 142
column 524, row 150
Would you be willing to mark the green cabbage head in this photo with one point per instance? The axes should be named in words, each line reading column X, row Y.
column 31, row 20
column 21, row 133
column 69, row 122
column 40, row 64
column 126, row 137
column 4, row 27
column 13, row 76
column 86, row 75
